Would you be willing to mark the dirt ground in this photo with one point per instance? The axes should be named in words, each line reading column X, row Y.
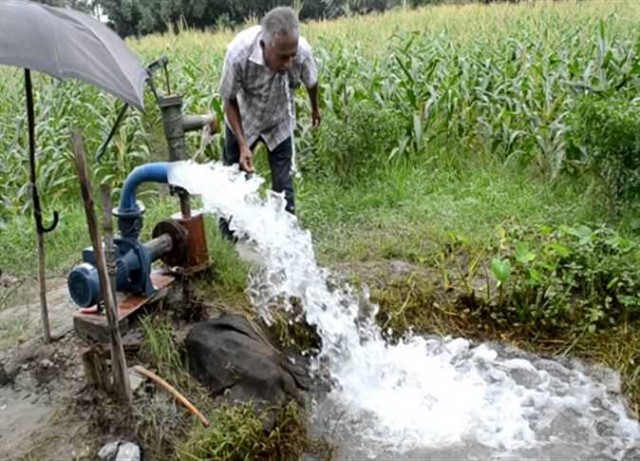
column 48, row 410
column 43, row 389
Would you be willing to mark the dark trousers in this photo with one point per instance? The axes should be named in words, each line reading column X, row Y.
column 279, row 164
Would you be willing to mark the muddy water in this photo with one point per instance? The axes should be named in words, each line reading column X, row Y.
column 576, row 414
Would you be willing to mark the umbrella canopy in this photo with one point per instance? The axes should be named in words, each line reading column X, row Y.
column 65, row 43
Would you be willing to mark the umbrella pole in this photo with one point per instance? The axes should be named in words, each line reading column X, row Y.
column 37, row 215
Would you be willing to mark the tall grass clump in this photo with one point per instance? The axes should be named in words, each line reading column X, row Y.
column 238, row 431
column 605, row 137
column 356, row 142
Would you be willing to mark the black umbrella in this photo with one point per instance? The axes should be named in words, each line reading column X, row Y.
column 64, row 43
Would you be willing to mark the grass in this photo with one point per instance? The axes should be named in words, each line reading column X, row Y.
column 237, row 432
column 13, row 332
column 429, row 208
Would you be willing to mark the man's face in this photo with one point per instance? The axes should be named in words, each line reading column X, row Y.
column 279, row 54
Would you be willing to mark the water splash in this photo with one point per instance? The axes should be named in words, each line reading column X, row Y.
column 422, row 397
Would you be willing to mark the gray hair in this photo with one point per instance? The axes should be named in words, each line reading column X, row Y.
column 280, row 21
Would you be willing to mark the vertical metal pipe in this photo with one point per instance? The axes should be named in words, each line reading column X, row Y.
column 185, row 204
column 171, row 108
column 172, row 120
column 109, row 248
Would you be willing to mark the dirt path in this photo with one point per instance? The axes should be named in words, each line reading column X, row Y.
column 39, row 382
column 23, row 413
column 20, row 316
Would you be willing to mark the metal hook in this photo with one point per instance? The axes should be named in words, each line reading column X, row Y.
column 45, row 229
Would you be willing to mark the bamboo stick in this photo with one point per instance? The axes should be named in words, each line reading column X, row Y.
column 120, row 375
column 172, row 390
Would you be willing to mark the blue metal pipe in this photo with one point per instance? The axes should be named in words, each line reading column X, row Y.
column 150, row 172
column 129, row 213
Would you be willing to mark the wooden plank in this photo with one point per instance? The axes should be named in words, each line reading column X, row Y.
column 92, row 325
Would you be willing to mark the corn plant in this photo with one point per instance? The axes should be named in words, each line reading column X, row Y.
column 501, row 81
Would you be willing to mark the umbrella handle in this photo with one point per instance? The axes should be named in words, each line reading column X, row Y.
column 45, row 229
column 32, row 161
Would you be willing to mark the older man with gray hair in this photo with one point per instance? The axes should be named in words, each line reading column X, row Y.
column 263, row 66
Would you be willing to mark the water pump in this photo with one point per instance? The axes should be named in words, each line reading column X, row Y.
column 179, row 242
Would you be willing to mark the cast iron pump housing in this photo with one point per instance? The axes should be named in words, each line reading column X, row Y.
column 178, row 242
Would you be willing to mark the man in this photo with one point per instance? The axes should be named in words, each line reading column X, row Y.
column 263, row 66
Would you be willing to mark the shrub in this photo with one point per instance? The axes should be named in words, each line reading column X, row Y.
column 570, row 279
column 605, row 134
column 356, row 142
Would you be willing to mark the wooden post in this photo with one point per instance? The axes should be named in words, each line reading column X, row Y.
column 93, row 359
column 42, row 282
column 120, row 374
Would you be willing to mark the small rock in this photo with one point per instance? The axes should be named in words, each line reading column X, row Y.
column 135, row 380
column 6, row 280
column 46, row 363
column 5, row 378
column 229, row 356
column 120, row 451
column 129, row 452
column 109, row 451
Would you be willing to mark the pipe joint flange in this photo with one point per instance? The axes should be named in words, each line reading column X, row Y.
column 179, row 254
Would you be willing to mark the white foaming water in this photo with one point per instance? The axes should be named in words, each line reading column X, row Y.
column 423, row 396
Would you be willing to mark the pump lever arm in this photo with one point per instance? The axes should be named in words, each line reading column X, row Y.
column 115, row 126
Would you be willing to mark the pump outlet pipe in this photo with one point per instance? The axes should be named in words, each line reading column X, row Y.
column 129, row 213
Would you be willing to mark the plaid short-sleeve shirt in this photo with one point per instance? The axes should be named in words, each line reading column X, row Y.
column 264, row 95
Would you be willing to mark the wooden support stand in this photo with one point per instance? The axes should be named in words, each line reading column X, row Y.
column 95, row 326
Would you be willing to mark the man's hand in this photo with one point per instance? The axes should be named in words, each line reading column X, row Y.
column 315, row 108
column 315, row 117
column 246, row 159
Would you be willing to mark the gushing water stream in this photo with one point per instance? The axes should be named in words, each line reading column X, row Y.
column 423, row 398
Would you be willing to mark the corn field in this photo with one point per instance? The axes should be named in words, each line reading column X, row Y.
column 499, row 79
